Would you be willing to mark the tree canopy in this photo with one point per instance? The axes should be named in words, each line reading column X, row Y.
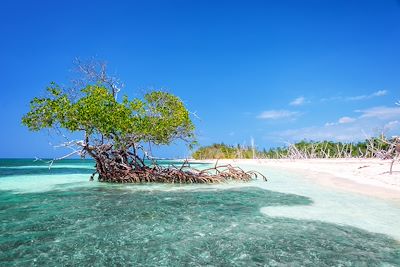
column 159, row 117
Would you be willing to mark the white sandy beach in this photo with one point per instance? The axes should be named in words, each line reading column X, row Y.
column 365, row 176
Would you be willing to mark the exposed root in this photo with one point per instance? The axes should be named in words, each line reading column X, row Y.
column 182, row 175
column 123, row 166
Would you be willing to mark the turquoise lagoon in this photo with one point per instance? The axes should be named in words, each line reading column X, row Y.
column 57, row 217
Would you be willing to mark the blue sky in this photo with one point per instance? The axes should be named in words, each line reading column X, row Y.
column 276, row 71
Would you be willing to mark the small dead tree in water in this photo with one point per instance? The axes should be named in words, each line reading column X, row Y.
column 114, row 133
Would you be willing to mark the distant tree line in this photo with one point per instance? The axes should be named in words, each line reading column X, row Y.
column 223, row 151
column 376, row 147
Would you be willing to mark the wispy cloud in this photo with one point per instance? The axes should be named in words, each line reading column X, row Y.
column 298, row 101
column 277, row 114
column 380, row 112
column 363, row 97
column 370, row 122
column 378, row 93
column 332, row 98
column 359, row 130
column 391, row 125
column 337, row 132
column 343, row 120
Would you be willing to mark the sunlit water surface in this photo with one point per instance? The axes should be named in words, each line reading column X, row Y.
column 57, row 217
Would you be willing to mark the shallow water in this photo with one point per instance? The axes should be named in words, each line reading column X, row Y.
column 59, row 218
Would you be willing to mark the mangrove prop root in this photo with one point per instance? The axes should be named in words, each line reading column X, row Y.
column 115, row 173
column 123, row 166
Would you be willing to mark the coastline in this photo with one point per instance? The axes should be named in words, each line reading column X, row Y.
column 363, row 176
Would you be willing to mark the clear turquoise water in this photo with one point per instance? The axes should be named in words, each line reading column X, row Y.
column 57, row 217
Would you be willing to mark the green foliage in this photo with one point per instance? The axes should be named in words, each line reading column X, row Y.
column 307, row 149
column 47, row 112
column 164, row 118
column 222, row 151
column 159, row 117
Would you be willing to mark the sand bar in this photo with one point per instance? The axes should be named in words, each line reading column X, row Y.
column 365, row 176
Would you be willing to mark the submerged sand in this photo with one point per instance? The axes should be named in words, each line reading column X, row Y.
column 366, row 176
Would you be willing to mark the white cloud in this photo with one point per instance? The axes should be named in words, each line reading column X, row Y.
column 298, row 101
column 342, row 120
column 359, row 129
column 363, row 97
column 277, row 114
column 378, row 93
column 337, row 132
column 346, row 120
column 391, row 125
column 380, row 112
column 369, row 122
column 333, row 98
column 330, row 124
column 355, row 98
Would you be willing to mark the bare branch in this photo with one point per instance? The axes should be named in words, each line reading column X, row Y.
column 63, row 157
column 95, row 71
